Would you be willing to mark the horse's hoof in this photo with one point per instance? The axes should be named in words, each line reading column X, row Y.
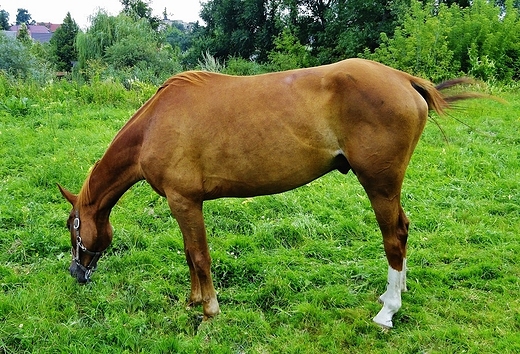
column 383, row 323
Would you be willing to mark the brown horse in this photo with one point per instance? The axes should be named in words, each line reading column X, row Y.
column 204, row 136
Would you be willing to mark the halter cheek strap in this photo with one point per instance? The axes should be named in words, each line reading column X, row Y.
column 91, row 267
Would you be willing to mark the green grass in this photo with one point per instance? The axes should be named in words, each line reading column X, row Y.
column 298, row 272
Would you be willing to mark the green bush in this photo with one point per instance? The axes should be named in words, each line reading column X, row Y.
column 122, row 48
column 439, row 42
column 21, row 61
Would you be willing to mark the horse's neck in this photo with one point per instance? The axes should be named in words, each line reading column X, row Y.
column 114, row 174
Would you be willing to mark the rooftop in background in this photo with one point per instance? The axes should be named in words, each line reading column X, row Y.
column 42, row 32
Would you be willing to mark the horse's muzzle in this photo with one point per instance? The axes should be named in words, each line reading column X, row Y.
column 78, row 273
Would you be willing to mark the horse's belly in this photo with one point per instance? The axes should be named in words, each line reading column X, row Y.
column 276, row 174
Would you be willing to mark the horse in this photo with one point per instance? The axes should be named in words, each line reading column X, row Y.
column 205, row 135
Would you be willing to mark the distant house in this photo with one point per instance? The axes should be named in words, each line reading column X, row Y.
column 41, row 33
column 9, row 34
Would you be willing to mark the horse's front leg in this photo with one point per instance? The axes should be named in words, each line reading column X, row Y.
column 189, row 216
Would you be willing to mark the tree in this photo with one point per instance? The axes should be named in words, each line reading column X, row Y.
column 440, row 42
column 139, row 9
column 336, row 29
column 23, row 35
column 289, row 53
column 460, row 3
column 178, row 35
column 124, row 47
column 4, row 20
column 23, row 16
column 242, row 28
column 62, row 44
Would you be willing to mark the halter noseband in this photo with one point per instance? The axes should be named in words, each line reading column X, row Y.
column 91, row 267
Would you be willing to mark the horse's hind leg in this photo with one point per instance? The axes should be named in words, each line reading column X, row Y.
column 385, row 200
column 190, row 219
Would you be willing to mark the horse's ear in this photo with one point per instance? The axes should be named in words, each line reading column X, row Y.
column 68, row 195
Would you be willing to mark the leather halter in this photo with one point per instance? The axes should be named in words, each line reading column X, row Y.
column 91, row 267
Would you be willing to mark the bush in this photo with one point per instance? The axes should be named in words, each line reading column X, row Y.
column 122, row 48
column 439, row 42
column 19, row 61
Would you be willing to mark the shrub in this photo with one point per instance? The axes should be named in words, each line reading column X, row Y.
column 439, row 42
column 19, row 61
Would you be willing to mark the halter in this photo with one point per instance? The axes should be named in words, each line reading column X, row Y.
column 91, row 267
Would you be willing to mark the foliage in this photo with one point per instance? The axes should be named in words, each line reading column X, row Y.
column 4, row 20
column 331, row 29
column 62, row 43
column 289, row 53
column 139, row 9
column 126, row 48
column 20, row 61
column 297, row 272
column 240, row 66
column 181, row 36
column 23, row 35
column 351, row 26
column 240, row 28
column 441, row 42
column 23, row 16
column 210, row 63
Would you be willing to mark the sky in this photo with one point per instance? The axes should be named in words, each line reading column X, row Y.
column 54, row 11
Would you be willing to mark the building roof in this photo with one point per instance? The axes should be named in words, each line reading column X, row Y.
column 32, row 28
column 41, row 33
column 10, row 34
column 42, row 37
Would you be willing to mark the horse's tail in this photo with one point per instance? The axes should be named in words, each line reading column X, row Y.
column 438, row 102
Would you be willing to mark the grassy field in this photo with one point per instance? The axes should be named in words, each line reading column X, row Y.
column 298, row 272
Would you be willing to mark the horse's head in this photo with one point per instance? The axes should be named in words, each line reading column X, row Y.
column 89, row 237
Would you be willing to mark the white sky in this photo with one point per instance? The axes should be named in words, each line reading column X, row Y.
column 54, row 11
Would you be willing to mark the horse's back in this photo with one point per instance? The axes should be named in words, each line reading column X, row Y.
column 236, row 136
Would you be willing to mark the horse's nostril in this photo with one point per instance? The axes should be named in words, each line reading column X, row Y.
column 73, row 269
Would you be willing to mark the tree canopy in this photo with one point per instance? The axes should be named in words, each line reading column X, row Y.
column 62, row 44
column 23, row 16
column 4, row 20
column 437, row 39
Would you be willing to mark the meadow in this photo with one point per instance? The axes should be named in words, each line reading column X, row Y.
column 298, row 272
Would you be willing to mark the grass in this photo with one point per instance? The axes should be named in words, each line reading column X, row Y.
column 298, row 272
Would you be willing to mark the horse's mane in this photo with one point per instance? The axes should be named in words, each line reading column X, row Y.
column 186, row 78
column 84, row 193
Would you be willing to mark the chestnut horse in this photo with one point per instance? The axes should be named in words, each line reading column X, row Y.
column 204, row 136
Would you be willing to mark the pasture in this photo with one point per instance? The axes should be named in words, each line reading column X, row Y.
column 298, row 272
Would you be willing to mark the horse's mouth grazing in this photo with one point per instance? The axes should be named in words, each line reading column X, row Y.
column 78, row 273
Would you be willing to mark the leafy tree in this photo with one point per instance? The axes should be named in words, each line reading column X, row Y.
column 179, row 35
column 460, row 3
column 4, row 20
column 23, row 35
column 481, row 40
column 124, row 47
column 289, row 53
column 139, row 9
column 419, row 45
column 335, row 29
column 23, row 16
column 241, row 28
column 354, row 25
column 62, row 44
